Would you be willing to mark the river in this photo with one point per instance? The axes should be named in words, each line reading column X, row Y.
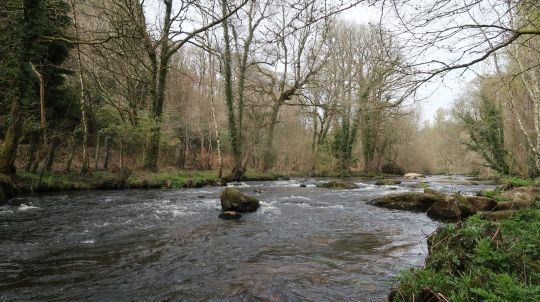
column 303, row 244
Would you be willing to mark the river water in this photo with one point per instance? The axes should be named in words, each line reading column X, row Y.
column 303, row 244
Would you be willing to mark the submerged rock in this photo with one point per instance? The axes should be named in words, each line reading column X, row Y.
column 413, row 176
column 338, row 185
column 234, row 200
column 388, row 182
column 303, row 186
column 453, row 208
column 410, row 201
column 434, row 192
column 230, row 215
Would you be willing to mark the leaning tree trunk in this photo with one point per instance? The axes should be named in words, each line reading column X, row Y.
column 268, row 158
column 11, row 140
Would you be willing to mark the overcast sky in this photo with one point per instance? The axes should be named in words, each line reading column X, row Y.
column 441, row 92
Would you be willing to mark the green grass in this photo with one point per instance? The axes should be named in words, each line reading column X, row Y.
column 175, row 180
column 103, row 180
column 480, row 261
column 59, row 181
column 496, row 194
column 515, row 181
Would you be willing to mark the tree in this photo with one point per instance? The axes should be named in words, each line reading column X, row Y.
column 30, row 66
column 486, row 131
column 170, row 38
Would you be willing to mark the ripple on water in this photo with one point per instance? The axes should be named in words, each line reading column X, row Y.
column 23, row 207
column 303, row 244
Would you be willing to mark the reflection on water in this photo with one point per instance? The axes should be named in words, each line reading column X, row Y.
column 303, row 244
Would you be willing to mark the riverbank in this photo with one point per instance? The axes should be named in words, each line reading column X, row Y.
column 493, row 255
column 171, row 179
column 479, row 260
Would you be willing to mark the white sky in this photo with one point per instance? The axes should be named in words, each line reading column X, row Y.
column 440, row 93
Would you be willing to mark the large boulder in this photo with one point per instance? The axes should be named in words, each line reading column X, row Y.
column 413, row 176
column 409, row 201
column 338, row 185
column 234, row 200
column 453, row 208
column 230, row 215
column 481, row 203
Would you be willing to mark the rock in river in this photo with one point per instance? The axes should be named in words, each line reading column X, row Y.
column 453, row 208
column 338, row 185
column 410, row 201
column 481, row 203
column 387, row 182
column 234, row 200
column 413, row 176
column 230, row 215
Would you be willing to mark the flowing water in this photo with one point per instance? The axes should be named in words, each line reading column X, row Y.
column 303, row 244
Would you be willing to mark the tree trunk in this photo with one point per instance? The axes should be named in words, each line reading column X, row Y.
column 107, row 153
column 84, row 103
column 96, row 157
column 34, row 145
column 51, row 154
column 268, row 159
column 11, row 140
column 71, row 153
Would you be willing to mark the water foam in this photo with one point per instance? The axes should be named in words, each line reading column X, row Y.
column 24, row 207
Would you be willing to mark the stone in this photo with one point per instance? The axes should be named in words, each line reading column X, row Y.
column 234, row 200
column 481, row 203
column 434, row 192
column 230, row 215
column 303, row 186
column 337, row 185
column 413, row 176
column 388, row 182
column 453, row 208
column 409, row 201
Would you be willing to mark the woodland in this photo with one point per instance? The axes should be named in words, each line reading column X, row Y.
column 114, row 94
column 286, row 86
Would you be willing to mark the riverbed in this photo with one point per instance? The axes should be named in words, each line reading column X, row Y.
column 303, row 244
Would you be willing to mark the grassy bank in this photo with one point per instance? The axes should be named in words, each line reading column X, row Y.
column 51, row 182
column 479, row 260
column 56, row 181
